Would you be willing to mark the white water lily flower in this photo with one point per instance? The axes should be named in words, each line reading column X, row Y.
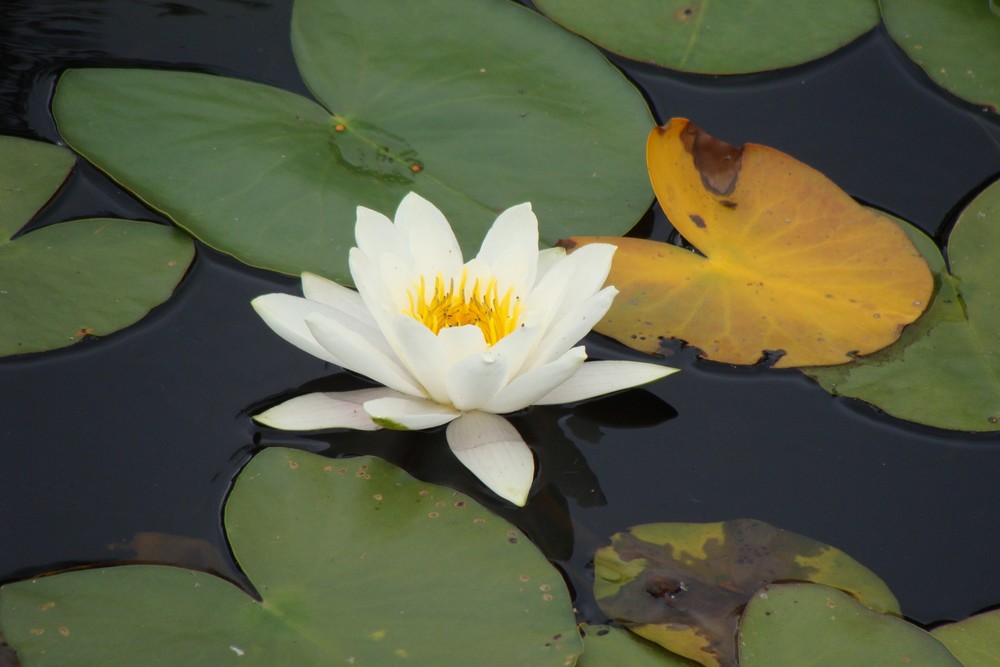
column 453, row 342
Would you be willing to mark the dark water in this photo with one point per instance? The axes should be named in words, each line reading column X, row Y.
column 143, row 431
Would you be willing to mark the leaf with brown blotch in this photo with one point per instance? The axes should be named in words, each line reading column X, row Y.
column 789, row 261
column 683, row 585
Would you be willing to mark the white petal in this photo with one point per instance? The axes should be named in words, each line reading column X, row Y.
column 495, row 453
column 515, row 348
column 376, row 234
column 424, row 355
column 596, row 378
column 373, row 291
column 399, row 279
column 547, row 259
column 528, row 387
column 430, row 238
column 335, row 295
column 511, row 248
column 475, row 380
column 462, row 342
column 568, row 330
column 359, row 355
column 408, row 414
column 591, row 265
column 567, row 284
column 286, row 315
column 325, row 410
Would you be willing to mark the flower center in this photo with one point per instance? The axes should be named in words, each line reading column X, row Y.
column 450, row 305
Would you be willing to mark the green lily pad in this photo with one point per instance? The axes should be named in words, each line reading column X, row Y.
column 717, row 38
column 682, row 585
column 974, row 641
column 355, row 562
column 943, row 371
column 605, row 645
column 957, row 42
column 477, row 106
column 790, row 625
column 69, row 280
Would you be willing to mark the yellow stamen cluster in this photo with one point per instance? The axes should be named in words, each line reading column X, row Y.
column 451, row 305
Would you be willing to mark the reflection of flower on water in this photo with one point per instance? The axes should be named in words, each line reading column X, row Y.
column 454, row 343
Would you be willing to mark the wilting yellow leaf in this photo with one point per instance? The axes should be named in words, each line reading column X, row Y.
column 789, row 261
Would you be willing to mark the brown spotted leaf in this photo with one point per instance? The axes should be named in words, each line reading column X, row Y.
column 683, row 585
column 789, row 262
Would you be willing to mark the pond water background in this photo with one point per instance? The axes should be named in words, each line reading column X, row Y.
column 144, row 430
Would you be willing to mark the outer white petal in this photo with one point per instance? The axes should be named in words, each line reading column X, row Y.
column 423, row 355
column 528, row 387
column 286, row 315
column 376, row 234
column 567, row 331
column 475, row 380
column 430, row 238
column 335, row 295
column 495, row 453
column 408, row 414
column 596, row 378
column 511, row 248
column 359, row 355
column 325, row 410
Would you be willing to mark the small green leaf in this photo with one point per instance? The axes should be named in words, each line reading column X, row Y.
column 974, row 641
column 791, row 625
column 69, row 280
column 30, row 173
column 355, row 562
column 956, row 42
column 605, row 645
column 719, row 37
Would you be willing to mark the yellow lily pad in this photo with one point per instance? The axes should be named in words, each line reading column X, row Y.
column 788, row 262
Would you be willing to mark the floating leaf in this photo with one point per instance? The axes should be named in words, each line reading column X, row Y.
column 717, row 38
column 355, row 562
column 69, row 280
column 682, row 585
column 790, row 625
column 30, row 172
column 790, row 261
column 974, row 641
column 605, row 645
column 957, row 43
column 475, row 105
column 944, row 370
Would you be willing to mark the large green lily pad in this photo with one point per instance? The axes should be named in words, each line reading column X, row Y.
column 682, row 585
column 974, row 641
column 477, row 106
column 957, row 42
column 355, row 563
column 944, row 370
column 720, row 37
column 69, row 280
column 791, row 625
